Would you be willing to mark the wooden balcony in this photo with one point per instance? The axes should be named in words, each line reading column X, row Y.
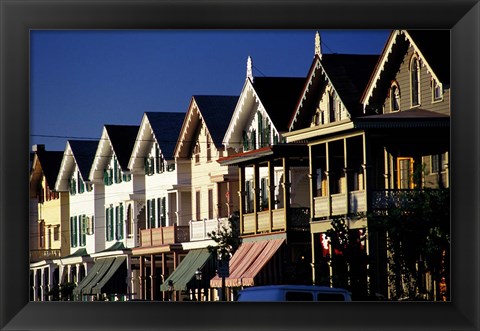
column 337, row 204
column 164, row 236
column 44, row 254
column 199, row 230
column 270, row 221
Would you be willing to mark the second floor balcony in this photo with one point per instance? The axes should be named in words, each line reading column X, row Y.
column 164, row 236
column 340, row 204
column 199, row 230
column 276, row 220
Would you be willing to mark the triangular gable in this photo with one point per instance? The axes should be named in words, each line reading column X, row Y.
column 162, row 128
column 274, row 98
column 432, row 48
column 345, row 74
column 116, row 140
column 80, row 153
column 45, row 163
column 209, row 111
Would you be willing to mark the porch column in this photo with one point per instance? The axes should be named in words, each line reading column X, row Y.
column 271, row 191
column 51, row 270
column 164, row 275
column 241, row 194
column 286, row 189
column 129, row 280
column 142, row 277
column 153, row 278
column 327, row 173
column 43, row 286
column 35, row 285
column 69, row 273
column 313, row 182
column 256, row 194
column 77, row 274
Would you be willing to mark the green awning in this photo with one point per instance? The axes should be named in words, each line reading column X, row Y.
column 106, row 263
column 91, row 274
column 97, row 289
column 185, row 271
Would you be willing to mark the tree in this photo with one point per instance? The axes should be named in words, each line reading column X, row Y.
column 418, row 231
column 227, row 237
column 348, row 257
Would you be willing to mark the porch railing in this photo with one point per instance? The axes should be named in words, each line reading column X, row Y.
column 339, row 205
column 164, row 235
column 199, row 230
column 44, row 254
column 299, row 218
column 384, row 199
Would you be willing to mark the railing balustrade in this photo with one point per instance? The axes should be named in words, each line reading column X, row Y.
column 199, row 230
column 44, row 254
column 164, row 235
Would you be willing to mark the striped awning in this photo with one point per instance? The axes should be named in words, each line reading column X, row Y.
column 247, row 262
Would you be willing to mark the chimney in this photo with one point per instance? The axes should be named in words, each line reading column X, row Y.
column 249, row 69
column 38, row 148
column 318, row 45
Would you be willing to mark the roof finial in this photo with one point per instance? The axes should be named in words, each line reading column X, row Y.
column 318, row 45
column 249, row 68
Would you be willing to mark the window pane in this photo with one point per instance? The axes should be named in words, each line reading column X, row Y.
column 298, row 296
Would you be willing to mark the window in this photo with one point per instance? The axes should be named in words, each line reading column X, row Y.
column 437, row 91
column 197, row 205
column 108, row 177
column 196, row 153
column 149, row 166
column 72, row 186
column 394, row 98
column 438, row 163
column 298, row 296
column 332, row 107
column 83, row 230
column 73, row 231
column 90, row 225
column 41, row 234
column 209, row 149
column 415, row 82
column 405, row 173
column 161, row 202
column 263, row 193
column 117, row 171
column 151, row 214
column 119, row 221
column 248, row 196
column 109, row 229
column 56, row 233
column 210, row 204
column 81, row 184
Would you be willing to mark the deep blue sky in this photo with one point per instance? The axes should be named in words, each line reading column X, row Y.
column 81, row 80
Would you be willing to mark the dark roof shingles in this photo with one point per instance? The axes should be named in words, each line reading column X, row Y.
column 84, row 154
column 123, row 139
column 217, row 111
column 166, row 127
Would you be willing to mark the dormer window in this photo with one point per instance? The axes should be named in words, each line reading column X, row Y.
column 437, row 91
column 415, row 81
column 394, row 97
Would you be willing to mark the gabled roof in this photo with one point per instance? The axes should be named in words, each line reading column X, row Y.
column 433, row 47
column 215, row 111
column 50, row 162
column 122, row 138
column 347, row 73
column 279, row 96
column 84, row 153
column 166, row 128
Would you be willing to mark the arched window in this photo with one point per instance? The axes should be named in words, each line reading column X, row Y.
column 332, row 107
column 415, row 82
column 394, row 97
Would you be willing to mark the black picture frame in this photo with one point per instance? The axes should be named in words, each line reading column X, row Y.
column 18, row 17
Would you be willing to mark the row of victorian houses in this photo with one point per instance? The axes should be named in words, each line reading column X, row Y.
column 128, row 216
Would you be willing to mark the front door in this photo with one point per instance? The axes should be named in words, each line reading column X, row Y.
column 405, row 173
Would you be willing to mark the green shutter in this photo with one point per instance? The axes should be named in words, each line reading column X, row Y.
column 148, row 214
column 260, row 129
column 164, row 213
column 112, row 229
column 121, row 221
column 152, row 204
column 115, row 169
column 71, row 232
column 106, row 224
